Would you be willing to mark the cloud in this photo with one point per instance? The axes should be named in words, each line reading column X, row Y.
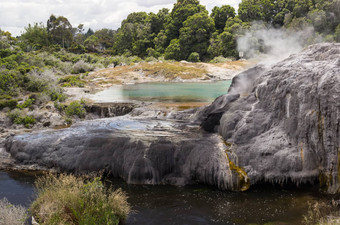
column 96, row 14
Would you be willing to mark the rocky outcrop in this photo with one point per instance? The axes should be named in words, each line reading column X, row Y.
column 285, row 125
column 139, row 151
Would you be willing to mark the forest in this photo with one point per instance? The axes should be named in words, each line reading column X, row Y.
column 187, row 31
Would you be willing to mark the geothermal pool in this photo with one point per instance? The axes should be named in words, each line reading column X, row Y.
column 164, row 92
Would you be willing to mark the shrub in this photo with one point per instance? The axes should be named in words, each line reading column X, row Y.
column 27, row 103
column 41, row 80
column 59, row 106
column 75, row 109
column 11, row 103
column 194, row 57
column 17, row 116
column 81, row 67
column 10, row 214
column 66, row 199
column 69, row 81
column 220, row 59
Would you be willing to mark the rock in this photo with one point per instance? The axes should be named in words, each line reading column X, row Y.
column 284, row 127
column 104, row 110
column 47, row 124
column 141, row 151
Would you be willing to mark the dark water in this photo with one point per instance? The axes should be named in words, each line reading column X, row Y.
column 194, row 205
column 164, row 92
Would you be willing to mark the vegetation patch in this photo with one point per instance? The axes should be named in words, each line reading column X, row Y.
column 70, row 81
column 66, row 199
column 11, row 103
column 18, row 116
column 11, row 214
column 75, row 108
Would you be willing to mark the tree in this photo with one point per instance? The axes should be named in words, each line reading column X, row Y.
column 105, row 37
column 181, row 11
column 35, row 37
column 60, row 30
column 256, row 10
column 173, row 51
column 195, row 34
column 221, row 15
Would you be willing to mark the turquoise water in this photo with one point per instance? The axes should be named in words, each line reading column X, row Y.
column 164, row 92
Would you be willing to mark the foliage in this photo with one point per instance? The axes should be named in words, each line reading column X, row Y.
column 221, row 14
column 66, row 199
column 194, row 57
column 75, row 108
column 195, row 34
column 10, row 214
column 69, row 81
column 17, row 116
column 10, row 103
column 34, row 37
column 26, row 104
column 220, row 59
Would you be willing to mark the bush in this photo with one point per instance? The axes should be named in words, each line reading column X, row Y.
column 75, row 109
column 11, row 103
column 70, row 81
column 27, row 103
column 67, row 199
column 17, row 116
column 81, row 67
column 10, row 214
column 220, row 59
column 194, row 57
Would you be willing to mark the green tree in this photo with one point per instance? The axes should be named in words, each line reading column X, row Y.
column 60, row 30
column 180, row 13
column 221, row 15
column 195, row 34
column 34, row 37
column 253, row 10
column 173, row 51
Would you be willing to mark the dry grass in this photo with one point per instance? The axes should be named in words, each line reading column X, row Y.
column 160, row 72
column 173, row 70
column 67, row 199
column 10, row 214
column 143, row 72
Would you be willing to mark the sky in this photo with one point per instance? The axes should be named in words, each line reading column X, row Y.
column 15, row 15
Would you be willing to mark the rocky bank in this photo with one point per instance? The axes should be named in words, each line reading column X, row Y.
column 277, row 124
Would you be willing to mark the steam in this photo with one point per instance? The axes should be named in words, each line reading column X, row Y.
column 270, row 45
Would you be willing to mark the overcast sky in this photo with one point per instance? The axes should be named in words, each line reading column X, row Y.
column 97, row 14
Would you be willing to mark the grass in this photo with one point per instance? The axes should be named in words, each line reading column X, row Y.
column 66, row 199
column 10, row 214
